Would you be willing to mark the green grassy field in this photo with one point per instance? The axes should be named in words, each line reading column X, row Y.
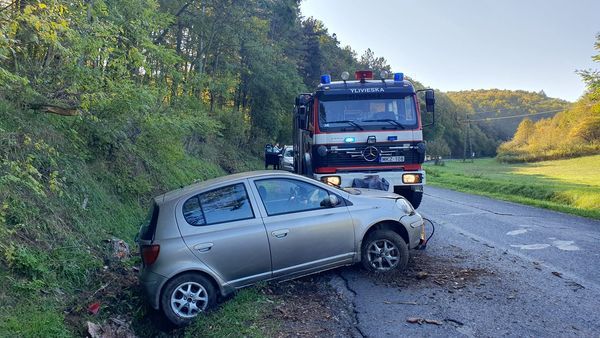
column 571, row 185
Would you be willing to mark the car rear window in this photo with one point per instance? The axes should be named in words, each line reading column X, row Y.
column 148, row 230
column 226, row 204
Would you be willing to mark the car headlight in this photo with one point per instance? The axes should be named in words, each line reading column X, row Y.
column 405, row 206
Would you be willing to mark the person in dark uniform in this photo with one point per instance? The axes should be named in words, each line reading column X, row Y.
column 276, row 151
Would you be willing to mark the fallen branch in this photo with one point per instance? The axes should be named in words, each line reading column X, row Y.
column 100, row 289
column 54, row 109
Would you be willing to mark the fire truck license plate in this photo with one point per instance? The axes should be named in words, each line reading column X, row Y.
column 388, row 159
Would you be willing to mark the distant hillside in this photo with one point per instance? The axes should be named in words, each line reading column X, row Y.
column 574, row 132
column 571, row 133
column 493, row 103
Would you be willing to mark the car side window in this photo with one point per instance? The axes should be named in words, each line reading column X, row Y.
column 282, row 196
column 192, row 212
column 224, row 204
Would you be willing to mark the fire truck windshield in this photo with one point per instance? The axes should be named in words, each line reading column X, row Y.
column 368, row 114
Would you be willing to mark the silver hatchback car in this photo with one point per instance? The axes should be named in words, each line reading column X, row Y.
column 286, row 160
column 220, row 235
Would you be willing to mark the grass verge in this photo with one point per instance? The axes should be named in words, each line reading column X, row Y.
column 242, row 316
column 571, row 185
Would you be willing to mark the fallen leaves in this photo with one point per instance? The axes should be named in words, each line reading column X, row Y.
column 445, row 272
column 94, row 308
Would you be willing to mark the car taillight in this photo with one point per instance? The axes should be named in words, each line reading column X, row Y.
column 150, row 253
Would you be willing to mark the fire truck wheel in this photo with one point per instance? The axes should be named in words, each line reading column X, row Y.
column 307, row 166
column 414, row 197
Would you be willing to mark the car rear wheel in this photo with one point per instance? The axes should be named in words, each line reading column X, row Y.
column 186, row 296
column 384, row 251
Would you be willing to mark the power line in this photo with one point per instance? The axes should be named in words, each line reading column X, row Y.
column 513, row 116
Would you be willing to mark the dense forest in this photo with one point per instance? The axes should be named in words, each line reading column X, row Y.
column 570, row 133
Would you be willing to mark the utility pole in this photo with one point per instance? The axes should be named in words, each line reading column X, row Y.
column 465, row 147
column 467, row 141
column 470, row 142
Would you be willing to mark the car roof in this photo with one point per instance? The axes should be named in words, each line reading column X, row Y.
column 185, row 190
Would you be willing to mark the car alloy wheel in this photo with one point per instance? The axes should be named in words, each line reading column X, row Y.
column 186, row 296
column 189, row 299
column 383, row 255
column 384, row 250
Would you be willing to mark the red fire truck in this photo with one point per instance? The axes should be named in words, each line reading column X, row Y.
column 364, row 129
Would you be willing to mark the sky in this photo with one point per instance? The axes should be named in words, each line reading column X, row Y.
column 472, row 44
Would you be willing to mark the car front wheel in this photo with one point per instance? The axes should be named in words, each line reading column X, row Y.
column 186, row 296
column 384, row 251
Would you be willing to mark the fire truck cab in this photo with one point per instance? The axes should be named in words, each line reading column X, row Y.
column 349, row 130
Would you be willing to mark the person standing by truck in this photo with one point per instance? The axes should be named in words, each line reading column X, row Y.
column 272, row 153
column 276, row 152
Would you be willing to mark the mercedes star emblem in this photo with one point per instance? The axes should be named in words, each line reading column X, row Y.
column 370, row 154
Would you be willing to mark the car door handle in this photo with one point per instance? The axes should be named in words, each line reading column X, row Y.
column 280, row 233
column 203, row 247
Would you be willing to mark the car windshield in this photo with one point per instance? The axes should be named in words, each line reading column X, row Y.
column 369, row 114
column 289, row 152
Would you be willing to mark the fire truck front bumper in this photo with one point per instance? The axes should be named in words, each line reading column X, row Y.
column 398, row 180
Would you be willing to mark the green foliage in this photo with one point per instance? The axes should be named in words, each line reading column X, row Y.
column 447, row 137
column 483, row 104
column 572, row 133
column 549, row 184
column 26, row 261
column 32, row 320
column 590, row 76
column 240, row 316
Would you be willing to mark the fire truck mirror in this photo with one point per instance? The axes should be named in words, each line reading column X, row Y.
column 429, row 101
column 302, row 111
column 301, row 117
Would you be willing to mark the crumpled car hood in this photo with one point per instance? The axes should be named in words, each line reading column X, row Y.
column 375, row 193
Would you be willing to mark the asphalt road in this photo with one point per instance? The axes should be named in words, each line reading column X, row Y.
column 493, row 268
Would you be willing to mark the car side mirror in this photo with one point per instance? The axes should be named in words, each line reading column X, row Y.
column 330, row 201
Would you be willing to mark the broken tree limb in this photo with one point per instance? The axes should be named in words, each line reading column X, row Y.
column 54, row 109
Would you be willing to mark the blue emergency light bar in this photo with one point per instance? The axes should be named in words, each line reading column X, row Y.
column 325, row 79
column 398, row 77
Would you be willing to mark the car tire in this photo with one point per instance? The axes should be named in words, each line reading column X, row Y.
column 414, row 197
column 384, row 251
column 186, row 296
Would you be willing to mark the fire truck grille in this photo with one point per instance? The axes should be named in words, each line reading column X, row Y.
column 372, row 155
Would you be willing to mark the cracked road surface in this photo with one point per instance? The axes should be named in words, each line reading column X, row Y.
column 493, row 268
